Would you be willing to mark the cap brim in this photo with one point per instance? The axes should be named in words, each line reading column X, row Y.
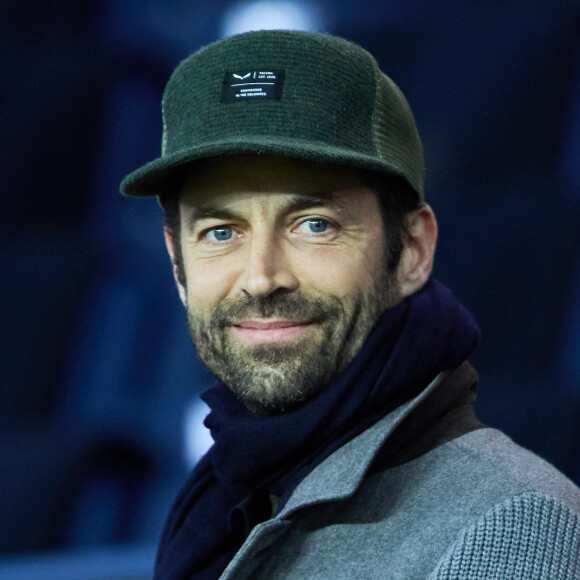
column 166, row 174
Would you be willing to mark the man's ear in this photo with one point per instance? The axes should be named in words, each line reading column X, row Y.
column 418, row 250
column 169, row 244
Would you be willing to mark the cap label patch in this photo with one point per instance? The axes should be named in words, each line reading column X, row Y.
column 253, row 85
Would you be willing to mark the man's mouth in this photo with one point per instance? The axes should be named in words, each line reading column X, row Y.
column 270, row 331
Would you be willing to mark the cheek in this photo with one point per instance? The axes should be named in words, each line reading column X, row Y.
column 342, row 272
column 209, row 282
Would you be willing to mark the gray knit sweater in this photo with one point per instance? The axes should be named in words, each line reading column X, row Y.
column 477, row 506
column 528, row 536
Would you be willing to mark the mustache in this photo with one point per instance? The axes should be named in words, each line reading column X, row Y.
column 294, row 307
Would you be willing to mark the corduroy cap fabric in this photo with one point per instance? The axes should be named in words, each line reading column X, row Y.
column 298, row 94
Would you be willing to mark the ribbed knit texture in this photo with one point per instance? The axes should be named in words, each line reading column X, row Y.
column 529, row 537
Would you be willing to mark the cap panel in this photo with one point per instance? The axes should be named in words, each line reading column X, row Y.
column 327, row 94
column 395, row 134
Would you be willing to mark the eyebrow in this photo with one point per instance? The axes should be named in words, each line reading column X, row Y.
column 296, row 203
column 204, row 213
column 302, row 202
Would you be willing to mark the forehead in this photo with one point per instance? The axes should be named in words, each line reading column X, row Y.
column 234, row 177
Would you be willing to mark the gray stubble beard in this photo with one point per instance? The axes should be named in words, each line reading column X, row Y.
column 271, row 379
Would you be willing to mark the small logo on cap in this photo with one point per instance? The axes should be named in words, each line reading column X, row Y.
column 263, row 84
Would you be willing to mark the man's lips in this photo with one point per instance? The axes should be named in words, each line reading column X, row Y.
column 264, row 331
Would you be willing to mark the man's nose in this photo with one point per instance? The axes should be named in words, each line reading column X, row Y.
column 267, row 267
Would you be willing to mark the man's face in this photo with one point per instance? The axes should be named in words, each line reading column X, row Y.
column 285, row 274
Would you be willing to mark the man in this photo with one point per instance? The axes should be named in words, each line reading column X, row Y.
column 345, row 442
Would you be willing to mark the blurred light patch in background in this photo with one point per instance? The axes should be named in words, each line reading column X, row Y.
column 197, row 438
column 270, row 15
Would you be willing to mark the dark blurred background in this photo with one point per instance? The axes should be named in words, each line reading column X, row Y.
column 99, row 417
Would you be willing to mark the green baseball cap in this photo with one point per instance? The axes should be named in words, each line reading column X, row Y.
column 292, row 93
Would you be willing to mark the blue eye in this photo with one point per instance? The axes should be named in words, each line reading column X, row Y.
column 221, row 233
column 317, row 226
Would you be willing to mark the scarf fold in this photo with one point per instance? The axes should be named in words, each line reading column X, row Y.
column 427, row 333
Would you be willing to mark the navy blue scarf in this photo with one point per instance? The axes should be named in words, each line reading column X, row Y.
column 427, row 333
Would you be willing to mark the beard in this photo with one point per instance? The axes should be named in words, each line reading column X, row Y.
column 271, row 379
